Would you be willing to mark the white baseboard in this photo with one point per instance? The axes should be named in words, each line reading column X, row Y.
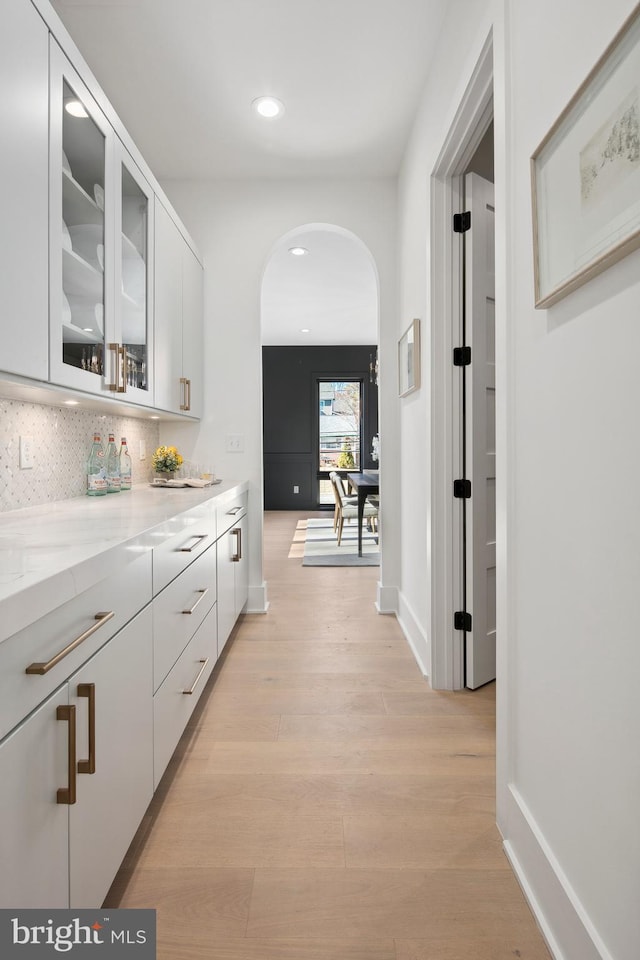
column 562, row 919
column 257, row 600
column 416, row 637
column 387, row 599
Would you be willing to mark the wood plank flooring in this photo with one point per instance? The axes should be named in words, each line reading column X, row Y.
column 324, row 802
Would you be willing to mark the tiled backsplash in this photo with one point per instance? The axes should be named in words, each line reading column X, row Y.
column 61, row 442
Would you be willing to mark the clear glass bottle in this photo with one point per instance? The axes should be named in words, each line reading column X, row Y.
column 96, row 469
column 125, row 465
column 113, row 466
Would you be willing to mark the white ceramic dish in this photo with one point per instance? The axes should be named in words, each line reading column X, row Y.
column 87, row 315
column 66, row 237
column 86, row 238
column 98, row 193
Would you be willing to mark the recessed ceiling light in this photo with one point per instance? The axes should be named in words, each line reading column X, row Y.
column 305, row 330
column 88, row 329
column 268, row 107
column 75, row 108
column 298, row 251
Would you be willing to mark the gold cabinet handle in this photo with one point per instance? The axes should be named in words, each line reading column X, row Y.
column 88, row 690
column 42, row 668
column 68, row 794
column 237, row 531
column 194, row 542
column 201, row 597
column 115, row 350
column 124, row 369
column 200, row 672
column 186, row 393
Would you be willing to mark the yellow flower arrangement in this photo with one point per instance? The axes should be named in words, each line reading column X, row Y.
column 166, row 460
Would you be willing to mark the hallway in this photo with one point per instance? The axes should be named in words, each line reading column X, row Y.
column 325, row 803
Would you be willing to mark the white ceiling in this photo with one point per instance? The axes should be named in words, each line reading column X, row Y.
column 182, row 74
column 332, row 291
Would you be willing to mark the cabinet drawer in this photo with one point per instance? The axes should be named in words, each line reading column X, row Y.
column 179, row 610
column 181, row 540
column 172, row 704
column 230, row 510
column 121, row 595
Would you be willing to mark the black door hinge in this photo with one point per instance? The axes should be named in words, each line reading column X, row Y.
column 461, row 356
column 462, row 621
column 462, row 489
column 462, row 222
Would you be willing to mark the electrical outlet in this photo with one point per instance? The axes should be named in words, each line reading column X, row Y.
column 296, row 488
column 143, row 450
column 27, row 456
column 235, row 443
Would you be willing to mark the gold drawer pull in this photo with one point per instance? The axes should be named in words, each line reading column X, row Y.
column 237, row 532
column 186, row 393
column 88, row 690
column 201, row 597
column 200, row 672
column 42, row 668
column 68, row 794
column 194, row 542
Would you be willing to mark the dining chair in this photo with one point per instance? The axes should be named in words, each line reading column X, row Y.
column 346, row 510
column 339, row 495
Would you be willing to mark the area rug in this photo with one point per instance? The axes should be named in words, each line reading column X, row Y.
column 321, row 545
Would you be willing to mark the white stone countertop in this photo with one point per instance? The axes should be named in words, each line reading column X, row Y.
column 53, row 552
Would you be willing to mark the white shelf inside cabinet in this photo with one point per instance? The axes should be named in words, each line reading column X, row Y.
column 81, row 279
column 78, row 207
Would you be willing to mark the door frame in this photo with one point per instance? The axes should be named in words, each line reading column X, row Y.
column 474, row 114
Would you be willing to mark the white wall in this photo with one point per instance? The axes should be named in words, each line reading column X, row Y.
column 235, row 225
column 569, row 525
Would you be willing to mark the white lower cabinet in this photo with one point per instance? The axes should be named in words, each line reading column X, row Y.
column 179, row 692
column 73, row 792
column 233, row 580
column 114, row 791
column 94, row 697
column 34, row 835
column 185, row 650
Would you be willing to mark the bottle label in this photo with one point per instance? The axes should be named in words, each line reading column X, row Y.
column 125, row 481
column 113, row 484
column 96, row 481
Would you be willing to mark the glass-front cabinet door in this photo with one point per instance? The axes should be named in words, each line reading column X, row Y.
column 81, row 232
column 133, row 289
column 101, row 222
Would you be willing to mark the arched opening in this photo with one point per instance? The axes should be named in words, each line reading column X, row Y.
column 319, row 323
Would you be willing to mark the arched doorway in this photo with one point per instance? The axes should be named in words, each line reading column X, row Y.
column 319, row 321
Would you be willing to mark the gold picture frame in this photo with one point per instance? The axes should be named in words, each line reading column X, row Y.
column 585, row 175
column 409, row 359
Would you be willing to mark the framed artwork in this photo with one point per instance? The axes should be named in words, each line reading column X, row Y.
column 586, row 175
column 409, row 359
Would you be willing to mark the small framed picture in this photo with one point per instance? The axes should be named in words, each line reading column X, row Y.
column 409, row 359
column 586, row 175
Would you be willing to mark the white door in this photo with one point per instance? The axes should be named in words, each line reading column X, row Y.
column 480, row 433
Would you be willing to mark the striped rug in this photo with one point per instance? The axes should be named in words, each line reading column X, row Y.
column 321, row 544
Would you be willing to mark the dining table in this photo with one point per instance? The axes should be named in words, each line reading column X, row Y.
column 363, row 484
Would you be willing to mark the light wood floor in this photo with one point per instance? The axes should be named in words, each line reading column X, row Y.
column 325, row 803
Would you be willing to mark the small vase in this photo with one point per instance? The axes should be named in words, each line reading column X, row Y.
column 165, row 474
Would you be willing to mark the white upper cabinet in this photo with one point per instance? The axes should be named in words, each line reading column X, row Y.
column 133, row 295
column 178, row 305
column 82, row 236
column 24, row 187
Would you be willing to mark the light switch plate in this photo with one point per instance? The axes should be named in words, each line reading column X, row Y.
column 235, row 443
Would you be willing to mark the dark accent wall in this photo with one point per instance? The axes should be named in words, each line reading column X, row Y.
column 290, row 426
